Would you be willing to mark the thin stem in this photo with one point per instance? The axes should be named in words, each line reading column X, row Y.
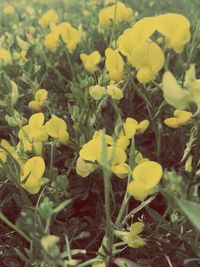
column 113, row 35
column 70, row 64
column 126, row 196
column 51, row 162
column 14, row 227
column 107, row 189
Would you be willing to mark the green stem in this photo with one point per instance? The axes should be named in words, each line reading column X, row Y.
column 51, row 162
column 14, row 227
column 107, row 189
column 113, row 35
column 126, row 196
column 70, row 64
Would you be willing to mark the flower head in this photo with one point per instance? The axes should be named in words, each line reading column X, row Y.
column 146, row 176
column 114, row 64
column 40, row 97
column 9, row 10
column 91, row 61
column 32, row 172
column 57, row 128
column 5, row 55
column 97, row 92
column 148, row 59
column 33, row 134
column 70, row 36
column 115, row 92
column 176, row 29
column 180, row 118
column 48, row 18
column 51, row 41
column 107, row 15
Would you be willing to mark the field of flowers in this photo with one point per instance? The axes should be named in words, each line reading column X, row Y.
column 100, row 133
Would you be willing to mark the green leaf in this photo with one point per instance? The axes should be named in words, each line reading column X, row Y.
column 62, row 205
column 191, row 210
column 121, row 262
column 14, row 92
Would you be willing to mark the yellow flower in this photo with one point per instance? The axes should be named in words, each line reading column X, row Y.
column 40, row 98
column 176, row 29
column 91, row 61
column 115, row 155
column 5, row 55
column 5, row 144
column 32, row 173
column 122, row 142
column 146, row 176
column 114, row 64
column 173, row 93
column 51, row 41
column 115, row 92
column 97, row 92
column 22, row 44
column 180, row 118
column 33, row 134
column 48, row 18
column 132, row 37
column 132, row 236
column 131, row 127
column 142, row 127
column 30, row 10
column 84, row 168
column 139, row 157
column 121, row 170
column 9, row 10
column 70, row 36
column 91, row 151
column 99, row 264
column 107, row 15
column 57, row 128
column 148, row 59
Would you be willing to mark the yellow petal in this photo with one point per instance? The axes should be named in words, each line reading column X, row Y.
column 35, row 167
column 137, row 228
column 54, row 126
column 149, row 173
column 36, row 120
column 115, row 92
column 84, row 168
column 173, row 93
column 35, row 105
column 41, row 95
